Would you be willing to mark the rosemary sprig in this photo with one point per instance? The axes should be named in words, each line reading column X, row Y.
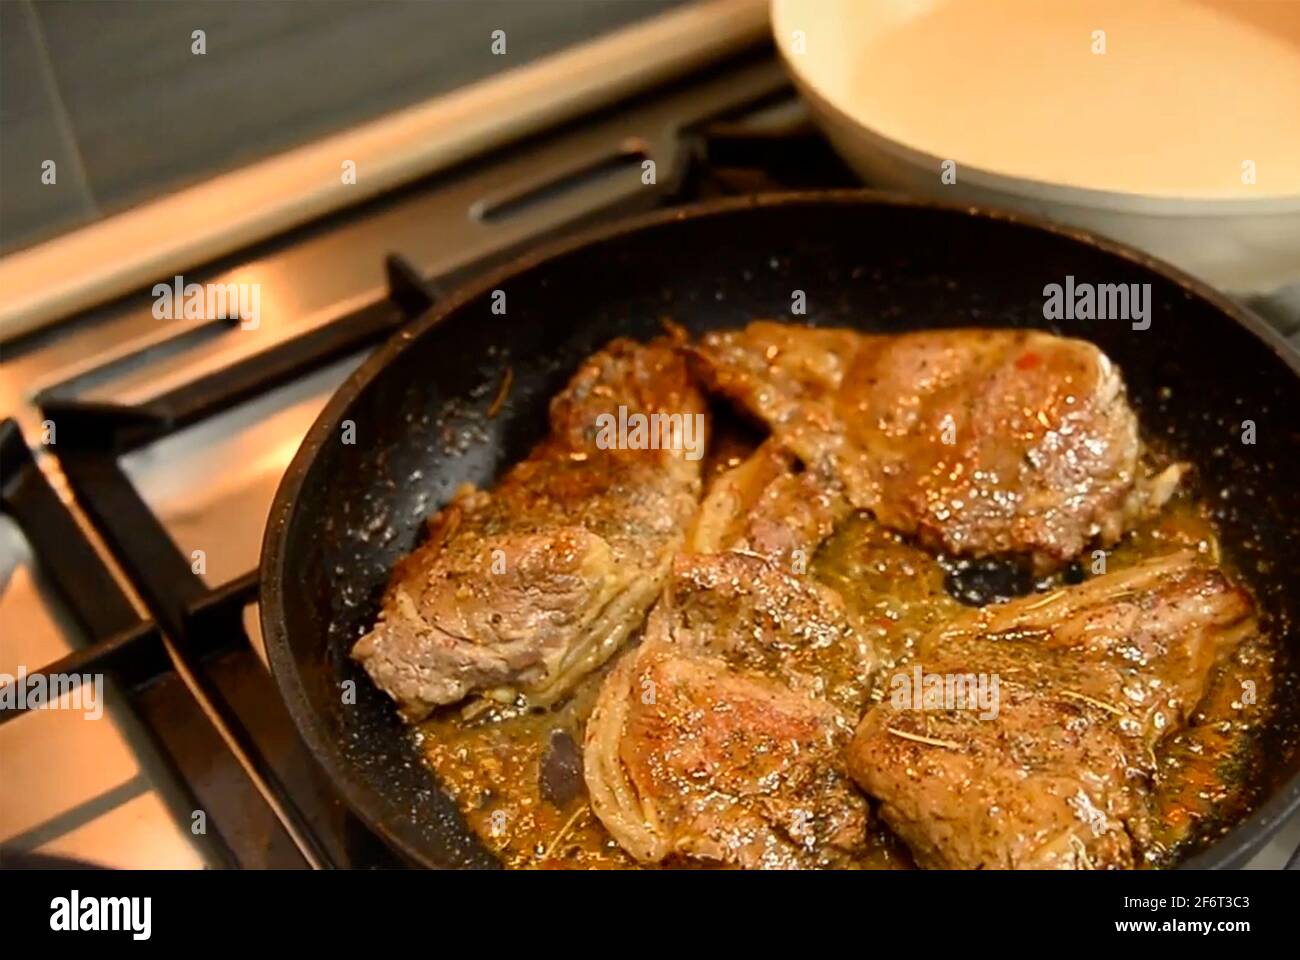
column 917, row 738
column 1099, row 704
column 564, row 832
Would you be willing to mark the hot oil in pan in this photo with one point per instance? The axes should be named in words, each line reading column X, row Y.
column 494, row 768
column 1204, row 782
column 517, row 776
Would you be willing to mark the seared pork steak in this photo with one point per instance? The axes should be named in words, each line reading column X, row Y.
column 687, row 758
column 978, row 442
column 530, row 586
column 721, row 738
column 1090, row 679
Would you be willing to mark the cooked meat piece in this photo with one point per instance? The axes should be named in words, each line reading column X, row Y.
column 758, row 618
column 689, row 759
column 979, row 442
column 783, row 374
column 720, row 739
column 534, row 584
column 766, row 506
column 1090, row 680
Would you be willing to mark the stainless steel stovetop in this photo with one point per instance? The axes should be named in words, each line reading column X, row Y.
column 130, row 540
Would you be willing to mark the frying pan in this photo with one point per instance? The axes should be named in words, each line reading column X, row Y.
column 345, row 512
column 1144, row 142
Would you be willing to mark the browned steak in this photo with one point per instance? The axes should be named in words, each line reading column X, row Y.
column 1090, row 680
column 530, row 586
column 721, row 738
column 978, row 442
column 689, row 759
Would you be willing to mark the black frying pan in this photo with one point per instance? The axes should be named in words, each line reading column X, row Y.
column 345, row 513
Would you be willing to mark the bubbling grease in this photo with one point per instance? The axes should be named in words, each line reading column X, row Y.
column 492, row 765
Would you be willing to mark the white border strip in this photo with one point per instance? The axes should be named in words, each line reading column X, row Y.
column 161, row 238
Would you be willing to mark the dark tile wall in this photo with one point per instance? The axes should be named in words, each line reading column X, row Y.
column 112, row 92
column 34, row 128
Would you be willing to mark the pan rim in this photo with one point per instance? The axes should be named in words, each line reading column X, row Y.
column 1242, row 840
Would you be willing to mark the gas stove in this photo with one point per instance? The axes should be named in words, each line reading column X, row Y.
column 141, row 457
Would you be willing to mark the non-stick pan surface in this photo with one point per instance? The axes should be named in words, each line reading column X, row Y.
column 417, row 411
